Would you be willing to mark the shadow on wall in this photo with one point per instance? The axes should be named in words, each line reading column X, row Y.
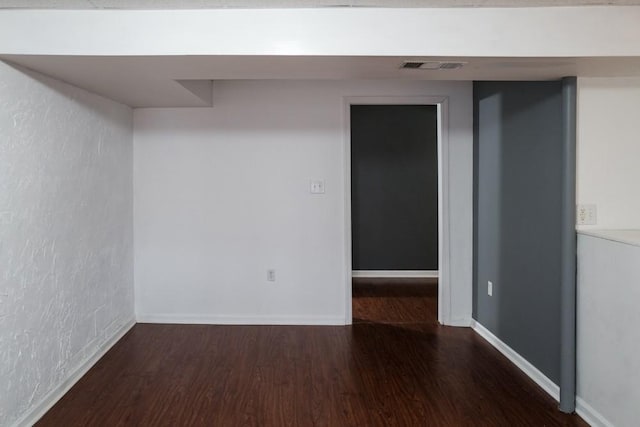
column 110, row 111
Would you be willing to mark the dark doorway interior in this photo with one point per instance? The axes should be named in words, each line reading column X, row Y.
column 394, row 187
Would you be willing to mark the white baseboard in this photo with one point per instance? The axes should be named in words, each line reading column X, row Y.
column 590, row 415
column 205, row 319
column 36, row 412
column 395, row 274
column 525, row 366
column 460, row 323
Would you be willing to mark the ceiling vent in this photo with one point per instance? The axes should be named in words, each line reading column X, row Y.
column 431, row 65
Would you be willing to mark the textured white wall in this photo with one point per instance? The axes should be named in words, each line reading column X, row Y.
column 609, row 150
column 608, row 338
column 222, row 194
column 66, row 273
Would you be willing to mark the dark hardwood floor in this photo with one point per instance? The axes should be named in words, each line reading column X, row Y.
column 395, row 301
column 394, row 367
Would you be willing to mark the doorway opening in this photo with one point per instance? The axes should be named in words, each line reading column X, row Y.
column 397, row 240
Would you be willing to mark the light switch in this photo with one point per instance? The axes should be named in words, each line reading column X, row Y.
column 317, row 187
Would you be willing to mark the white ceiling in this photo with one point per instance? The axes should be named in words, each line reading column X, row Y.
column 218, row 4
column 151, row 81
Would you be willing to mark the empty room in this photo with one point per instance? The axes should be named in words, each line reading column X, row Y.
column 367, row 213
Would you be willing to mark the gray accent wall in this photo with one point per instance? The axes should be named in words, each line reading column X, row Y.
column 518, row 168
column 394, row 187
column 568, row 291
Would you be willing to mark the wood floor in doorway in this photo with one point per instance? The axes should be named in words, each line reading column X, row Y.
column 395, row 301
column 395, row 366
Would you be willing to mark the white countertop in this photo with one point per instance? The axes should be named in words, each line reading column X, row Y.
column 629, row 237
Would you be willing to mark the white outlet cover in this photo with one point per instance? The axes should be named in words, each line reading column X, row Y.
column 490, row 288
column 586, row 214
column 317, row 187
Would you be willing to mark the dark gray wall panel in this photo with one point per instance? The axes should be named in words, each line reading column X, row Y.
column 569, row 248
column 518, row 216
column 394, row 187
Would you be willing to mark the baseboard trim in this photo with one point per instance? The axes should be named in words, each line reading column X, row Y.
column 460, row 323
column 204, row 319
column 34, row 414
column 395, row 274
column 590, row 415
column 524, row 365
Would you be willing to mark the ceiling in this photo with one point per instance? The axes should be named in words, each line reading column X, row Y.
column 218, row 4
column 183, row 81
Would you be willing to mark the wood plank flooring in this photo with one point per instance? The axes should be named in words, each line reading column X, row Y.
column 395, row 301
column 394, row 367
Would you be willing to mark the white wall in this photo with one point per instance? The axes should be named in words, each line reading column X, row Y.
column 66, row 273
column 222, row 194
column 608, row 339
column 473, row 32
column 607, row 176
column 608, row 170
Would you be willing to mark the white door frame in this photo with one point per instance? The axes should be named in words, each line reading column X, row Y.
column 442, row 103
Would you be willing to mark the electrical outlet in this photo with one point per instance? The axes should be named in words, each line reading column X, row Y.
column 271, row 275
column 586, row 215
column 490, row 288
column 316, row 187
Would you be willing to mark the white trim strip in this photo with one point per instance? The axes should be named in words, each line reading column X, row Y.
column 206, row 319
column 47, row 402
column 395, row 274
column 525, row 366
column 460, row 323
column 590, row 415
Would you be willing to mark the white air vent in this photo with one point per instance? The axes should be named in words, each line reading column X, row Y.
column 431, row 65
